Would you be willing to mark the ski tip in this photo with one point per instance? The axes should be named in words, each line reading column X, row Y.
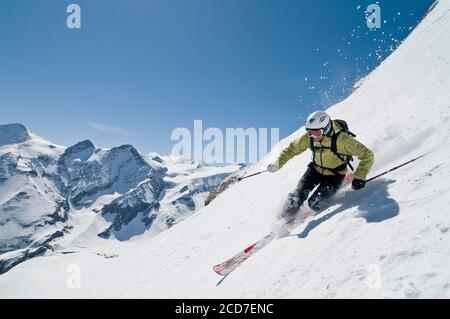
column 219, row 270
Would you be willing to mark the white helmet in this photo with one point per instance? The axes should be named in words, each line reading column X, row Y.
column 319, row 121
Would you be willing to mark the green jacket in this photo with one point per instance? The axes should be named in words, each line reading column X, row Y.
column 323, row 156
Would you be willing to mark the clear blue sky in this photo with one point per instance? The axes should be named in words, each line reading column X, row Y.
column 137, row 69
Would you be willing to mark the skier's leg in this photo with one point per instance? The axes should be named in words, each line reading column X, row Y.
column 295, row 200
column 321, row 199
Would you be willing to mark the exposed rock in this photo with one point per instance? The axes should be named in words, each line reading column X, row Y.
column 222, row 187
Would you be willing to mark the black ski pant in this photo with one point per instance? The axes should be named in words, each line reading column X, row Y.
column 320, row 200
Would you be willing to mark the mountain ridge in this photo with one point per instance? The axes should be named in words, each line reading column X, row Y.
column 44, row 185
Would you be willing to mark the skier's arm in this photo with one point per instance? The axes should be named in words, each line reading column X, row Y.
column 295, row 148
column 365, row 156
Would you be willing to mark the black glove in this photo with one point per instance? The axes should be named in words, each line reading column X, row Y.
column 358, row 184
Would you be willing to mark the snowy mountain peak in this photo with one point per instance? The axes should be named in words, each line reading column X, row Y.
column 83, row 145
column 80, row 151
column 13, row 134
column 128, row 149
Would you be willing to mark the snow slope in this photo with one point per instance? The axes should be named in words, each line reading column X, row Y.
column 390, row 240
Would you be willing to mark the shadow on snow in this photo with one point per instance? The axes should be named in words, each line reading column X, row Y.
column 373, row 203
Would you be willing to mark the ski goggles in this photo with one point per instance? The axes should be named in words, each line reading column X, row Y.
column 314, row 133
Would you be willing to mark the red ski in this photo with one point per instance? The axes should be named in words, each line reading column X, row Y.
column 226, row 267
column 231, row 264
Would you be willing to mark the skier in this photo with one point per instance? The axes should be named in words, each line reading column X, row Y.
column 332, row 145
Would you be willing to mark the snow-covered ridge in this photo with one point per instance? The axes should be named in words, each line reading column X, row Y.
column 390, row 240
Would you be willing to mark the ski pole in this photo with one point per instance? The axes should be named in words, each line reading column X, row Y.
column 395, row 168
column 241, row 178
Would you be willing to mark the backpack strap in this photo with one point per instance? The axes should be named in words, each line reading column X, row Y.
column 311, row 146
column 333, row 148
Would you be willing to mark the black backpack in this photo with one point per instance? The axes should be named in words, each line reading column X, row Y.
column 333, row 147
